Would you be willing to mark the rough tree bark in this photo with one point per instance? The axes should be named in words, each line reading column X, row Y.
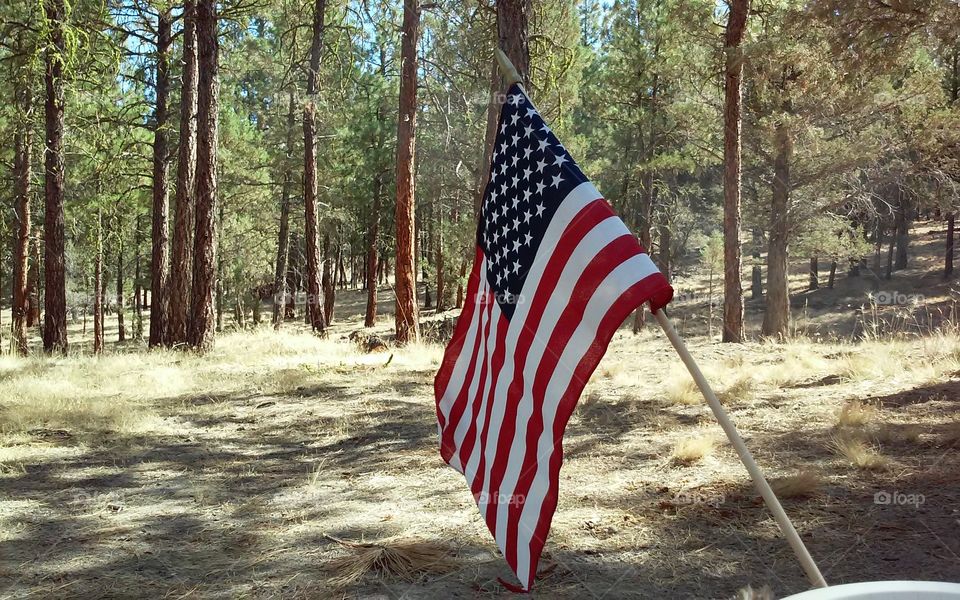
column 159, row 261
column 121, row 327
column 315, row 311
column 733, row 98
column 283, row 234
column 329, row 291
column 23, row 152
column 55, row 288
column 98, row 288
column 948, row 256
column 776, row 318
column 180, row 261
column 405, row 284
column 373, row 240
column 201, row 331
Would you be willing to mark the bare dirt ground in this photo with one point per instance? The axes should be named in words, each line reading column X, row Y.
column 165, row 475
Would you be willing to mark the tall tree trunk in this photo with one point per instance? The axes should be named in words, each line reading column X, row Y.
column 201, row 332
column 315, row 309
column 33, row 285
column 833, row 274
column 98, row 289
column 732, row 259
column 23, row 151
column 814, row 273
column 405, row 284
column 512, row 30
column 948, row 256
column 756, row 274
column 776, row 319
column 438, row 257
column 902, row 233
column 55, row 283
column 181, row 263
column 283, row 234
column 159, row 261
column 888, row 271
column 666, row 239
column 121, row 327
column 329, row 291
column 373, row 241
column 137, row 276
column 219, row 293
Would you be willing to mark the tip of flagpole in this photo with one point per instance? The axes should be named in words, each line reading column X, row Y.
column 507, row 69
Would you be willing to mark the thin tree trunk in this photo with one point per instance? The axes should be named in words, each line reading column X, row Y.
column 814, row 273
column 201, row 332
column 902, row 233
column 329, row 291
column 756, row 275
column 373, row 241
column 23, row 151
column 33, row 285
column 666, row 239
column 833, row 274
column 314, row 293
column 777, row 316
column 948, row 256
column 438, row 258
column 121, row 327
column 98, row 289
column 181, row 262
column 405, row 283
column 160, row 258
column 283, row 234
column 732, row 258
column 888, row 271
column 137, row 286
column 55, row 283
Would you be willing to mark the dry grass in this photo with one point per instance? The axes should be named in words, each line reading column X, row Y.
column 680, row 389
column 859, row 453
column 690, row 450
column 800, row 485
column 400, row 558
column 856, row 414
column 902, row 434
column 741, row 389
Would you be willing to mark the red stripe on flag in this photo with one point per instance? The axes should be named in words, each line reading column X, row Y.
column 613, row 254
column 618, row 312
column 582, row 224
column 453, row 350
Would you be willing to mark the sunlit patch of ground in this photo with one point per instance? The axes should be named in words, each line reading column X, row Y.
column 166, row 474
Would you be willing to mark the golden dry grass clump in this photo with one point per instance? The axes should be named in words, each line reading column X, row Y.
column 401, row 558
column 692, row 449
column 799, row 485
column 856, row 414
column 859, row 453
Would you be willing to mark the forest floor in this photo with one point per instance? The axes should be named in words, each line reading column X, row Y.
column 167, row 475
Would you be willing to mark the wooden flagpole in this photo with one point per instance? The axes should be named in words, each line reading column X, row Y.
column 773, row 504
column 511, row 75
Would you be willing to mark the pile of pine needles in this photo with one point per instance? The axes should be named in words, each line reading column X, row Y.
column 401, row 558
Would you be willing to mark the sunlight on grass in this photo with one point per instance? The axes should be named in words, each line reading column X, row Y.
column 859, row 453
column 856, row 414
column 692, row 449
column 798, row 485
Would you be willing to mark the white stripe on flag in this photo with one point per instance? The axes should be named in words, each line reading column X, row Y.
column 576, row 200
column 619, row 280
column 602, row 234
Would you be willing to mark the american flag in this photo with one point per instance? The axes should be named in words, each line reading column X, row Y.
column 556, row 273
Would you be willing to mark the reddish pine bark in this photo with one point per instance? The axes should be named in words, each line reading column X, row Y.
column 733, row 98
column 180, row 262
column 405, row 284
column 55, row 288
column 283, row 235
column 159, row 264
column 203, row 318
column 23, row 151
column 315, row 311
